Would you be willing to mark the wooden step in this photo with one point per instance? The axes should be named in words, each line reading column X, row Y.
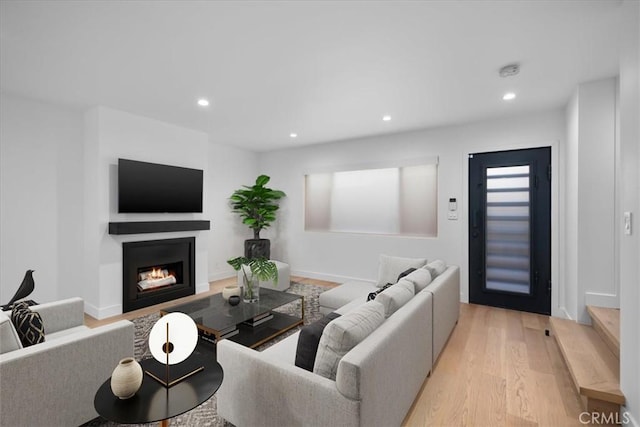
column 606, row 321
column 594, row 368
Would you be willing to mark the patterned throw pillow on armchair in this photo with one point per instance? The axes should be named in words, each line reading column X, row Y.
column 28, row 324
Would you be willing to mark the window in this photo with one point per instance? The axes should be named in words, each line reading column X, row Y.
column 391, row 200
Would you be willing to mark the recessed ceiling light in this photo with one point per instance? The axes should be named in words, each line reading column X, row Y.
column 203, row 102
column 386, row 118
column 509, row 96
column 293, row 135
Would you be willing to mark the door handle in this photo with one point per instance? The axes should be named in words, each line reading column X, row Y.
column 476, row 217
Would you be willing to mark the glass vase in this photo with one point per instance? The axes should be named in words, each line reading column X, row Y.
column 251, row 289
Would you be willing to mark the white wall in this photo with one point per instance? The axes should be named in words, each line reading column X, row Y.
column 58, row 193
column 113, row 134
column 229, row 169
column 123, row 135
column 629, row 200
column 590, row 205
column 342, row 256
column 569, row 208
column 40, row 197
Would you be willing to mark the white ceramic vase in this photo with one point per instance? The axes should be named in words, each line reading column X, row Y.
column 230, row 290
column 126, row 378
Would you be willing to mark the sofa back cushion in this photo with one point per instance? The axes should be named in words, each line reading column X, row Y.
column 387, row 369
column 344, row 333
column 436, row 268
column 309, row 339
column 390, row 267
column 420, row 278
column 9, row 340
column 396, row 296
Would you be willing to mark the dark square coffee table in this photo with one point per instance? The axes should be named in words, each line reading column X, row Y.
column 249, row 324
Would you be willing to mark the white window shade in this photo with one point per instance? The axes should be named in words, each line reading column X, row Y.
column 365, row 201
column 317, row 212
column 395, row 200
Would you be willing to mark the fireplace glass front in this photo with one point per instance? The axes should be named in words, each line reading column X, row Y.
column 157, row 271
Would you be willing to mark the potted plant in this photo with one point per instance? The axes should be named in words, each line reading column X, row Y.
column 254, row 270
column 257, row 206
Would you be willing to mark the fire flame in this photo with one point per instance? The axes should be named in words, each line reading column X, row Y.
column 157, row 273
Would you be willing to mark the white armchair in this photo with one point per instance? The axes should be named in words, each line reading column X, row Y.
column 53, row 383
column 283, row 282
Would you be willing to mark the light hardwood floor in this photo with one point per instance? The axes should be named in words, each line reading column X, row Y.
column 498, row 369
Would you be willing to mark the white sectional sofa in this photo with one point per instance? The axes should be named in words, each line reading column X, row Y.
column 53, row 383
column 376, row 381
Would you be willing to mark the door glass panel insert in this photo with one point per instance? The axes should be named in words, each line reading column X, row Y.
column 508, row 229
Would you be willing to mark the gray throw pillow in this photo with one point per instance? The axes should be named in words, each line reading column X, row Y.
column 344, row 333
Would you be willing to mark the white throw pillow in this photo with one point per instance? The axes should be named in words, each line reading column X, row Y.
column 344, row 333
column 396, row 296
column 436, row 268
column 390, row 267
column 9, row 340
column 420, row 278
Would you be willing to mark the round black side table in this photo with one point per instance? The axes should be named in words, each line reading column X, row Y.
column 156, row 403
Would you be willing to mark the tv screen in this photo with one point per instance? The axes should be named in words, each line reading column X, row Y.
column 153, row 188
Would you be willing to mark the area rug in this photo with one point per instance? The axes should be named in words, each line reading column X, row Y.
column 206, row 414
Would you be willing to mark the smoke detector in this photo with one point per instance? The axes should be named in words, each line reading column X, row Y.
column 509, row 70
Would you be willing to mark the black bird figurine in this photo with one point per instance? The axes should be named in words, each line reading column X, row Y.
column 26, row 287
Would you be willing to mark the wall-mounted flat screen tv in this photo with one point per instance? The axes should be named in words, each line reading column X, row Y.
column 154, row 188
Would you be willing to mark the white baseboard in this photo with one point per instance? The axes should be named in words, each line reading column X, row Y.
column 565, row 313
column 116, row 309
column 102, row 313
column 202, row 287
column 220, row 275
column 601, row 300
column 328, row 277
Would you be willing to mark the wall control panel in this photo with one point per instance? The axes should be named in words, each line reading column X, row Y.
column 452, row 213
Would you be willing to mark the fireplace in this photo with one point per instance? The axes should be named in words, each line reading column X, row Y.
column 156, row 271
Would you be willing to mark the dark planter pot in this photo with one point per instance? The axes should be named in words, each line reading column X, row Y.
column 256, row 248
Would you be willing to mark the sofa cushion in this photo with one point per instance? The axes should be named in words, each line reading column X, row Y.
column 374, row 294
column 28, row 324
column 436, row 268
column 344, row 333
column 396, row 296
column 405, row 273
column 420, row 278
column 308, row 341
column 65, row 332
column 390, row 267
column 335, row 298
column 9, row 339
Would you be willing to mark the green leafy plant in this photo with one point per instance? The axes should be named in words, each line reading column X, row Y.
column 260, row 268
column 257, row 205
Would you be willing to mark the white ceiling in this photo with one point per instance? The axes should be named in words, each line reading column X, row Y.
column 325, row 70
